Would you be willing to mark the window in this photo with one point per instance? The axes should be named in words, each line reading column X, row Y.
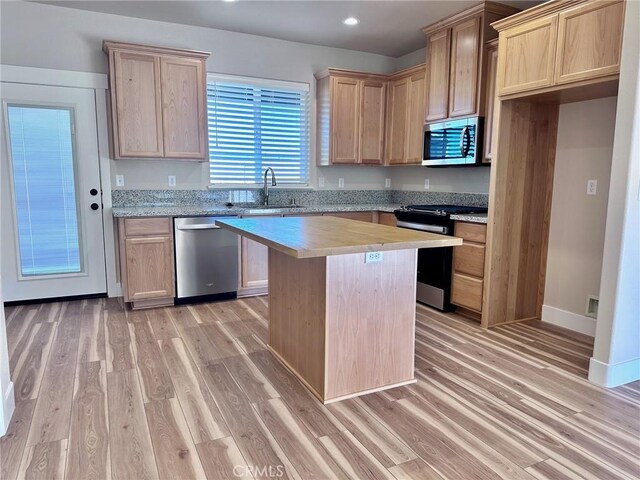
column 255, row 124
column 41, row 146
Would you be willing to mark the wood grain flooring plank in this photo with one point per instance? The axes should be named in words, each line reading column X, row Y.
column 49, row 312
column 201, row 412
column 129, row 439
column 242, row 422
column 88, row 455
column 353, row 458
column 316, row 417
column 14, row 440
column 19, row 334
column 441, row 453
column 44, row 461
column 552, row 470
column 92, row 340
column 155, row 380
column 550, row 329
column 388, row 449
column 605, row 431
column 174, row 449
column 306, row 454
column 253, row 383
column 250, row 344
column 64, row 348
column 223, row 312
column 416, row 469
column 30, row 367
column 222, row 459
column 222, row 344
column 162, row 325
column 52, row 416
column 202, row 350
column 182, row 318
column 117, row 342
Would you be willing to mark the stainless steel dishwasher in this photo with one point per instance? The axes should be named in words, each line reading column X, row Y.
column 206, row 259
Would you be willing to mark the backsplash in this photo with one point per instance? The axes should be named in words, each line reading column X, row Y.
column 140, row 198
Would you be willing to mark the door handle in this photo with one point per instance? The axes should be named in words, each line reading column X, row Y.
column 95, row 206
column 93, row 192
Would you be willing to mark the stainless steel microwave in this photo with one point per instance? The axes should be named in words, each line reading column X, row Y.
column 455, row 142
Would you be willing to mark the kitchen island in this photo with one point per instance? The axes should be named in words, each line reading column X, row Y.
column 341, row 320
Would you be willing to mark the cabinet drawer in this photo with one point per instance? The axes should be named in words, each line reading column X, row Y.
column 471, row 232
column 466, row 292
column 385, row 218
column 469, row 259
column 147, row 226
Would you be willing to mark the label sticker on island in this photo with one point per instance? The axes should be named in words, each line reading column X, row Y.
column 373, row 257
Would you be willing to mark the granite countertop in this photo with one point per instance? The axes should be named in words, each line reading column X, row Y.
column 213, row 210
column 471, row 217
column 309, row 237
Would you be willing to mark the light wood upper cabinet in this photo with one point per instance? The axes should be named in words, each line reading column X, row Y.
column 456, row 66
column 184, row 107
column 438, row 53
column 372, row 121
column 557, row 43
column 589, row 41
column 137, row 109
column 397, row 121
column 528, row 53
column 415, row 114
column 158, row 102
column 465, row 54
column 345, row 120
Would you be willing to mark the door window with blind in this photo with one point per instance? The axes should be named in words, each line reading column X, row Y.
column 255, row 124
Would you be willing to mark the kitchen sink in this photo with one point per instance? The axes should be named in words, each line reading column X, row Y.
column 269, row 209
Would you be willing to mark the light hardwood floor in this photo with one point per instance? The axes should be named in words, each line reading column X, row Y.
column 191, row 392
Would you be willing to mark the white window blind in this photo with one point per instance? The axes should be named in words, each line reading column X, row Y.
column 256, row 124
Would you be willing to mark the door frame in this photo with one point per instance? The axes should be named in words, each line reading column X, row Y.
column 99, row 84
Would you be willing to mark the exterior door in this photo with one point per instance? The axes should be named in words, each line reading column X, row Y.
column 51, row 216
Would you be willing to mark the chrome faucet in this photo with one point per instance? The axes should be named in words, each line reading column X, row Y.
column 266, row 185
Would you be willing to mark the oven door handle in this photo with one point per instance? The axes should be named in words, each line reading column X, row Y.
column 424, row 227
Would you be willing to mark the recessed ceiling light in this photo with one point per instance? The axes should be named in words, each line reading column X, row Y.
column 351, row 21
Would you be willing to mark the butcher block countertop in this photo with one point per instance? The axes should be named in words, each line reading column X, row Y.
column 308, row 237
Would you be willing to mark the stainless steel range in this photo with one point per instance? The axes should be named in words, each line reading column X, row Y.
column 434, row 264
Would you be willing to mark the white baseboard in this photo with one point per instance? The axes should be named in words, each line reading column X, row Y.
column 569, row 320
column 614, row 374
column 8, row 406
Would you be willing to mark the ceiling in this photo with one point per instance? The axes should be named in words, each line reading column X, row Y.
column 390, row 27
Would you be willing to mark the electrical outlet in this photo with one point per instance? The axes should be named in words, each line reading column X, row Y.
column 387, row 183
column 426, row 184
column 172, row 180
column 592, row 187
column 341, row 183
column 119, row 180
column 373, row 257
column 321, row 182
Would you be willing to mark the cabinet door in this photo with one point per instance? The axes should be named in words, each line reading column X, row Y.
column 136, row 105
column 589, row 41
column 415, row 115
column 492, row 72
column 465, row 53
column 372, row 112
column 386, row 218
column 254, row 267
column 466, row 291
column 360, row 216
column 397, row 122
column 149, row 263
column 183, row 108
column 438, row 48
column 345, row 115
column 526, row 56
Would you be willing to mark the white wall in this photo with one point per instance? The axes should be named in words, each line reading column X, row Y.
column 47, row 36
column 452, row 179
column 616, row 355
column 412, row 59
column 576, row 237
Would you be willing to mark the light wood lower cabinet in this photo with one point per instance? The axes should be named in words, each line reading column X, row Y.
column 386, row 218
column 254, row 268
column 146, row 261
column 468, row 268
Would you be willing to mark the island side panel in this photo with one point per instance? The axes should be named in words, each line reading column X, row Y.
column 297, row 315
column 371, row 312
